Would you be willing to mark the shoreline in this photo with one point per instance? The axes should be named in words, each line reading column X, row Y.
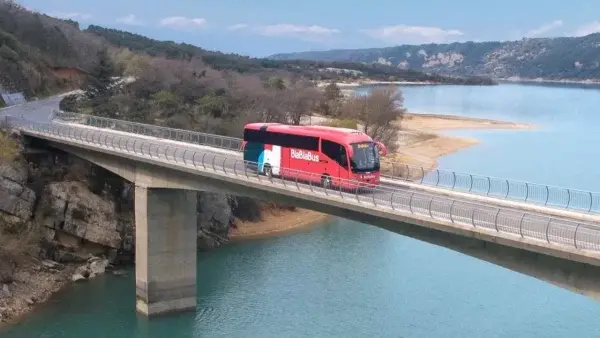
column 277, row 222
column 542, row 80
column 355, row 84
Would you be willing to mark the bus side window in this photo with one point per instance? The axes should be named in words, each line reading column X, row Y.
column 335, row 151
column 343, row 158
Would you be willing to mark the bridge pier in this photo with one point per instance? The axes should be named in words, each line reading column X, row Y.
column 165, row 250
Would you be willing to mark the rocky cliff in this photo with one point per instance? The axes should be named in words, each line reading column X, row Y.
column 572, row 58
column 62, row 218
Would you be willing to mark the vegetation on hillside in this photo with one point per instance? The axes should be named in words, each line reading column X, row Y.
column 33, row 45
column 312, row 70
column 575, row 58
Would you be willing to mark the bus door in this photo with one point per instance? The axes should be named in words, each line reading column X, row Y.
column 336, row 164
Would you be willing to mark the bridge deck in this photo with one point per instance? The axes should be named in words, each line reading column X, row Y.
column 388, row 182
column 565, row 237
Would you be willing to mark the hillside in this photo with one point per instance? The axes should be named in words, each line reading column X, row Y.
column 337, row 70
column 36, row 48
column 572, row 58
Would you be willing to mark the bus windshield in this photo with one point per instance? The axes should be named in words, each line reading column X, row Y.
column 365, row 157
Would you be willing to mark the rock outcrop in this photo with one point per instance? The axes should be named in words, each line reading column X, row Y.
column 16, row 199
column 214, row 219
column 80, row 224
column 93, row 267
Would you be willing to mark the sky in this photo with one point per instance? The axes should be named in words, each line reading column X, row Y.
column 264, row 27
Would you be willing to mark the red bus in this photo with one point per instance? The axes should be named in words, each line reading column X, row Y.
column 322, row 154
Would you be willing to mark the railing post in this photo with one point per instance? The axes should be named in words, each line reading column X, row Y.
column 203, row 165
column 473, row 218
column 575, row 236
column 489, row 186
column 437, row 182
column 423, row 176
column 547, row 195
column 591, row 202
column 223, row 165
column 496, row 220
column 568, row 198
column 548, row 229
column 451, row 207
column 373, row 189
column 471, row 184
column 410, row 203
column 521, row 225
column 526, row 191
column 297, row 186
column 453, row 180
column 429, row 208
column 507, row 189
column 392, row 200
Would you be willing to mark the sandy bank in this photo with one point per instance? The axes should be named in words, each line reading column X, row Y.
column 422, row 141
column 275, row 223
column 429, row 122
column 354, row 84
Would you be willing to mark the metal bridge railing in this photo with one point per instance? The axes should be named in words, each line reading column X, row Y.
column 579, row 235
column 180, row 135
column 533, row 193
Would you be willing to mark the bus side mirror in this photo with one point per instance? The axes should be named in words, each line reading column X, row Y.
column 382, row 148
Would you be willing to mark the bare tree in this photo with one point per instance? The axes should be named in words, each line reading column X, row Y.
column 379, row 113
column 300, row 100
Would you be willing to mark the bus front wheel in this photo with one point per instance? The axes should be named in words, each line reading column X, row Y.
column 326, row 182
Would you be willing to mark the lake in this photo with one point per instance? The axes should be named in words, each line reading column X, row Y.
column 346, row 279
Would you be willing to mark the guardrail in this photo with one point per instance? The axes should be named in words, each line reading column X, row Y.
column 209, row 140
column 562, row 232
column 539, row 194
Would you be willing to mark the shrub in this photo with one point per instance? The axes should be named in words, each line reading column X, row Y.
column 343, row 123
column 9, row 148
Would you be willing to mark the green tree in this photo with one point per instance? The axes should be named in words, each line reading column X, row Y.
column 277, row 83
column 99, row 82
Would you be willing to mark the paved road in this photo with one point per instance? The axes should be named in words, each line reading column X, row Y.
column 39, row 110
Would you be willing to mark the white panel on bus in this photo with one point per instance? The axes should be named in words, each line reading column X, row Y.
column 275, row 159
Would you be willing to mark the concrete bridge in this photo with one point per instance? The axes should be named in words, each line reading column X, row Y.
column 561, row 246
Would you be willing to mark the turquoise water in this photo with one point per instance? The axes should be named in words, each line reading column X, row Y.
column 347, row 279
column 563, row 150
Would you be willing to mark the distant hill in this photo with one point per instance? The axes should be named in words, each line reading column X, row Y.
column 337, row 70
column 572, row 58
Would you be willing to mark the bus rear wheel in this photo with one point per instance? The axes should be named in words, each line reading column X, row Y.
column 326, row 182
column 268, row 171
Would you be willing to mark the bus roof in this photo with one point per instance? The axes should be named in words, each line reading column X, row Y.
column 340, row 135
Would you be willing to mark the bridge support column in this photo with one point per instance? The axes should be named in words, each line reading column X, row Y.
column 165, row 250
